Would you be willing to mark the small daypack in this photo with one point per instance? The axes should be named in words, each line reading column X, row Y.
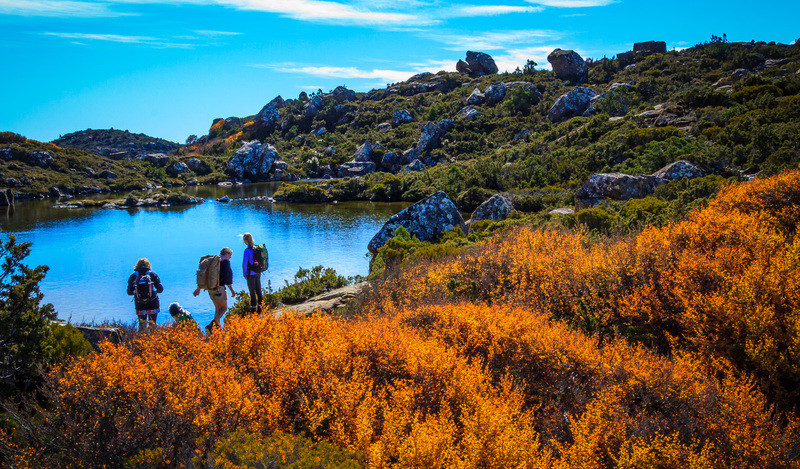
column 208, row 272
column 144, row 289
column 260, row 259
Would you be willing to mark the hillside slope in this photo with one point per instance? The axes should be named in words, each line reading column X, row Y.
column 115, row 144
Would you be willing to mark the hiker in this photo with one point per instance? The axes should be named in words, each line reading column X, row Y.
column 145, row 286
column 217, row 291
column 254, row 262
column 180, row 315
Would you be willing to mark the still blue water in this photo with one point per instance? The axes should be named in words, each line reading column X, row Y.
column 91, row 252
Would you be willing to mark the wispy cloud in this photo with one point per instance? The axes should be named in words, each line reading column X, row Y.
column 488, row 10
column 209, row 32
column 573, row 3
column 513, row 58
column 324, row 71
column 493, row 40
column 146, row 40
column 58, row 8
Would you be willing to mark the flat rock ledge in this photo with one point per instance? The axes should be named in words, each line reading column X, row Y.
column 324, row 303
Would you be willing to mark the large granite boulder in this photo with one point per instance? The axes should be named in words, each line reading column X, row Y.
column 415, row 165
column 477, row 64
column 616, row 186
column 156, row 159
column 571, row 104
column 177, row 168
column 426, row 219
column 495, row 93
column 364, row 152
column 356, row 169
column 198, row 166
column 468, row 112
column 476, row 98
column 42, row 159
column 429, row 139
column 393, row 161
column 313, row 106
column 496, row 208
column 253, row 161
column 679, row 170
column 400, row 117
column 267, row 117
column 568, row 65
column 641, row 49
column 342, row 94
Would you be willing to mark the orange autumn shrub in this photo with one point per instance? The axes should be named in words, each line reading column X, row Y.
column 459, row 385
column 724, row 283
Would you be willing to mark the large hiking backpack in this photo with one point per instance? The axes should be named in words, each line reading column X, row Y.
column 260, row 259
column 144, row 289
column 208, row 272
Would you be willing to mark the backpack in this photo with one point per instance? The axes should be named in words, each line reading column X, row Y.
column 260, row 259
column 208, row 272
column 144, row 289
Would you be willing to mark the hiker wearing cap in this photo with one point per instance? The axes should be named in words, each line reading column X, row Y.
column 254, row 262
column 145, row 286
column 217, row 292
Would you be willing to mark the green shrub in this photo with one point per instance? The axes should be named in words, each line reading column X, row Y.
column 592, row 218
column 65, row 341
column 471, row 198
column 241, row 449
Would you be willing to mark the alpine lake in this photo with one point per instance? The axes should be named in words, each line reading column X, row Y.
column 91, row 252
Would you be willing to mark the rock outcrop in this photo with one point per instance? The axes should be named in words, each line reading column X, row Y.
column 42, row 159
column 496, row 208
column 468, row 112
column 426, row 219
column 476, row 98
column 571, row 104
column 342, row 94
column 477, row 64
column 267, row 117
column 679, row 170
column 313, row 106
column 568, row 65
column 253, row 161
column 393, row 161
column 495, row 93
column 324, row 303
column 177, row 168
column 156, row 159
column 415, row 165
column 430, row 138
column 198, row 166
column 616, row 186
column 640, row 50
column 364, row 152
column 355, row 169
column 400, row 117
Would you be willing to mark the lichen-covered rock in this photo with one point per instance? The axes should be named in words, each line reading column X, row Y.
column 253, row 161
column 267, row 117
column 616, row 186
column 426, row 219
column 313, row 106
column 496, row 208
column 679, row 170
column 385, row 127
column 393, row 161
column 198, row 166
column 641, row 49
column 468, row 112
column 364, row 152
column 568, row 65
column 476, row 98
column 571, row 104
column 42, row 159
column 156, row 159
column 429, row 139
column 477, row 64
column 415, row 165
column 342, row 94
column 177, row 168
column 318, row 131
column 400, row 117
column 495, row 93
column 356, row 169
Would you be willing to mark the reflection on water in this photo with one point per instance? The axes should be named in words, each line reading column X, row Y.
column 91, row 252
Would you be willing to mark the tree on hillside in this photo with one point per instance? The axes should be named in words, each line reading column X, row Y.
column 24, row 323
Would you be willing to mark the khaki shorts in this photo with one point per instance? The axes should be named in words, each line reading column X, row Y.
column 220, row 295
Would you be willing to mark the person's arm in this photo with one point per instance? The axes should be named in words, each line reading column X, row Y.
column 131, row 281
column 157, row 282
column 247, row 260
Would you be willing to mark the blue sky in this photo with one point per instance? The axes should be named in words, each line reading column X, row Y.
column 167, row 68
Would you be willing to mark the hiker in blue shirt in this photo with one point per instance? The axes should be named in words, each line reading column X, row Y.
column 252, row 275
column 145, row 286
